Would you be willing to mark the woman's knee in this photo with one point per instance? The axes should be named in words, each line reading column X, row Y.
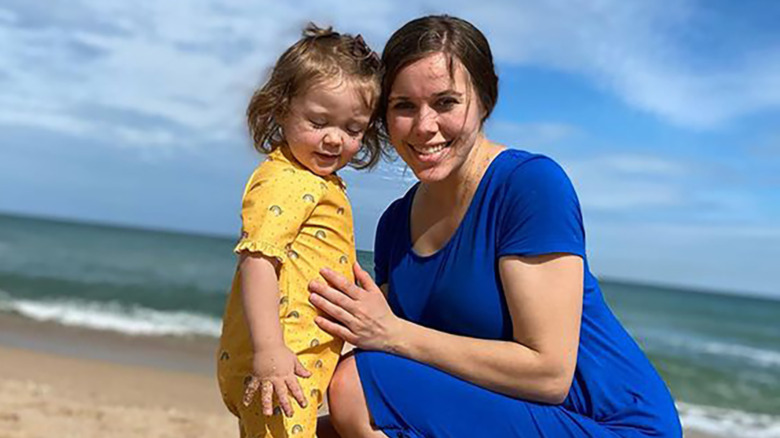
column 347, row 404
column 342, row 389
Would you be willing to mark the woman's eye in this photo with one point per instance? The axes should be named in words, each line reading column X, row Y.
column 401, row 106
column 447, row 102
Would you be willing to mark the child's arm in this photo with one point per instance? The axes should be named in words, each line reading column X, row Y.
column 274, row 366
column 260, row 294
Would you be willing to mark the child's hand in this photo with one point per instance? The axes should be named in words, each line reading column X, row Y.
column 274, row 371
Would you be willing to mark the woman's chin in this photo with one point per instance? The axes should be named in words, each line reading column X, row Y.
column 429, row 168
column 431, row 175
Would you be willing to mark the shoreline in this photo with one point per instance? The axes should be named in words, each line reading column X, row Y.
column 74, row 382
column 71, row 382
column 192, row 354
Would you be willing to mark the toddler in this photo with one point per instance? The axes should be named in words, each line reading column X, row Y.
column 312, row 117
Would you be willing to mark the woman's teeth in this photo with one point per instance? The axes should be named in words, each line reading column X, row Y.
column 428, row 150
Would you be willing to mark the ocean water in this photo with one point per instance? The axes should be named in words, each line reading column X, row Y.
column 719, row 354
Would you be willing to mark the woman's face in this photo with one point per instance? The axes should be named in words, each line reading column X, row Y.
column 433, row 119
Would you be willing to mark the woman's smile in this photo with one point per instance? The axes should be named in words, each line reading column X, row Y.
column 430, row 152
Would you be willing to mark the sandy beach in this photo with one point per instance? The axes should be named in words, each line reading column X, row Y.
column 78, row 383
column 68, row 382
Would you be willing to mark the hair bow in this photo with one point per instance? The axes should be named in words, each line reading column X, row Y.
column 361, row 49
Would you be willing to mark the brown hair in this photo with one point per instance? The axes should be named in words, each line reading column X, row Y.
column 320, row 55
column 455, row 38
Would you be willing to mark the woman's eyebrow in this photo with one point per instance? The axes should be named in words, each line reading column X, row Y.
column 448, row 92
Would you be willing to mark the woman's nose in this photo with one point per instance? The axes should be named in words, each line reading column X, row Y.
column 427, row 122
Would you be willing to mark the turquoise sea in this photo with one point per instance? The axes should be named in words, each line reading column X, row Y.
column 720, row 354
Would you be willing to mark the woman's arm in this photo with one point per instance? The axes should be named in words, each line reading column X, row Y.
column 544, row 295
column 544, row 299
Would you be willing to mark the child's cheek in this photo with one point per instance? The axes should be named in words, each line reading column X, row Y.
column 312, row 138
column 353, row 146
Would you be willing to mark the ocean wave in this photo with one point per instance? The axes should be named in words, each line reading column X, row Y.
column 131, row 320
column 723, row 422
column 763, row 357
column 720, row 422
column 662, row 340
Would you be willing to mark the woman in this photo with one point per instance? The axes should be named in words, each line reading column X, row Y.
column 492, row 323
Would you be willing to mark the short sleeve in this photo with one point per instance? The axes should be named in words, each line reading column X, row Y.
column 540, row 212
column 276, row 203
column 382, row 243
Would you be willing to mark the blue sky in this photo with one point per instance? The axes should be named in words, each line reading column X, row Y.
column 666, row 115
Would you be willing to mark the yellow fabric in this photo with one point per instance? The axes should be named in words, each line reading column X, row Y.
column 305, row 221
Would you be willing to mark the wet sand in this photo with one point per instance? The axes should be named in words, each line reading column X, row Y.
column 68, row 382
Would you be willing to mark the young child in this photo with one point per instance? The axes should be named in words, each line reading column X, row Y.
column 312, row 117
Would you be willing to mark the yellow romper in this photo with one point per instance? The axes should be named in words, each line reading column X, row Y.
column 305, row 221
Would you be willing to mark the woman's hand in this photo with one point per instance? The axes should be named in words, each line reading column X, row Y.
column 274, row 371
column 361, row 313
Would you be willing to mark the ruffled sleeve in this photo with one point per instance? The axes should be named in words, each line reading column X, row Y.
column 277, row 201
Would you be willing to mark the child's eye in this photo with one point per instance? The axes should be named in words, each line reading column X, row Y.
column 316, row 125
column 355, row 132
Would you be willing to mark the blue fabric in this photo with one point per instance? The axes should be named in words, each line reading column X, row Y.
column 524, row 205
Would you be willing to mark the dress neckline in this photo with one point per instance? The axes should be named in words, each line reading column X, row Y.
column 480, row 188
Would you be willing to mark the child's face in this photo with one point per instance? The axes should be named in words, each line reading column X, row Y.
column 325, row 125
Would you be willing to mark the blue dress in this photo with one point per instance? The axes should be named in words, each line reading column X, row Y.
column 524, row 205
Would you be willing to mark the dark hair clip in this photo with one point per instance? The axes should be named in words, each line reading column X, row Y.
column 361, row 50
column 313, row 31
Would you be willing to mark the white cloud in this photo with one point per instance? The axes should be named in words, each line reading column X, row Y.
column 638, row 50
column 636, row 185
column 194, row 64
column 153, row 76
column 606, row 180
column 160, row 61
column 625, row 182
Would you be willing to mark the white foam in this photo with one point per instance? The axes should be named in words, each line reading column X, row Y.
column 766, row 358
column 695, row 344
column 115, row 317
column 728, row 422
column 714, row 421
